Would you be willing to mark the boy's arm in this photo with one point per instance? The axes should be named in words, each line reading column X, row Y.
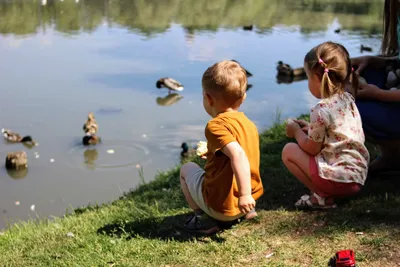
column 241, row 169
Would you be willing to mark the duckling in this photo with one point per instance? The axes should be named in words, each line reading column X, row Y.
column 169, row 100
column 248, row 28
column 248, row 87
column 248, row 74
column 286, row 70
column 16, row 138
column 16, row 160
column 91, row 140
column 365, row 48
column 90, row 126
column 338, row 30
column 169, row 83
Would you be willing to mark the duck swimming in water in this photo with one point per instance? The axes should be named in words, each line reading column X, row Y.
column 90, row 126
column 16, row 138
column 286, row 70
column 248, row 74
column 365, row 48
column 91, row 139
column 169, row 83
column 16, row 160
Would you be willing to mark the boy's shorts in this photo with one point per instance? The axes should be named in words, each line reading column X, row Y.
column 194, row 181
column 328, row 188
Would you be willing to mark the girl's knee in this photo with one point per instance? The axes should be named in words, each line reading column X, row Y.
column 288, row 150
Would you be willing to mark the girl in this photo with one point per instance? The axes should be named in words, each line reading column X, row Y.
column 332, row 160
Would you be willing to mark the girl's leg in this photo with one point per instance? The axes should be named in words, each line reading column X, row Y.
column 297, row 161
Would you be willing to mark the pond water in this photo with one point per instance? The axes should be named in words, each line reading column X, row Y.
column 63, row 59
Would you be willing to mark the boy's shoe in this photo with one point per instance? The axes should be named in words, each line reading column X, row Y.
column 201, row 223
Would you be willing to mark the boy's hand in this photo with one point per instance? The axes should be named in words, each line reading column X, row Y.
column 246, row 203
column 291, row 128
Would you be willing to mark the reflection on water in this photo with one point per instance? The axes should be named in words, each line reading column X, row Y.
column 90, row 156
column 65, row 58
column 17, row 174
column 169, row 99
column 153, row 16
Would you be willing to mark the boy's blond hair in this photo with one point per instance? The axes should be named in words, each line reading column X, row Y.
column 226, row 81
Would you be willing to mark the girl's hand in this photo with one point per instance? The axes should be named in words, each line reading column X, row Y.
column 368, row 91
column 291, row 128
column 303, row 124
column 360, row 63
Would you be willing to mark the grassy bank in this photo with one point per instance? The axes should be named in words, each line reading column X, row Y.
column 143, row 228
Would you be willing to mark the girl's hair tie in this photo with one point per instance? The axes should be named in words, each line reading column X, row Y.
column 326, row 70
column 320, row 61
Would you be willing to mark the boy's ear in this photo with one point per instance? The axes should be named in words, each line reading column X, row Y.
column 209, row 99
column 244, row 97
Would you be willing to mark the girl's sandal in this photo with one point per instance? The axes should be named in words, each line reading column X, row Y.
column 305, row 203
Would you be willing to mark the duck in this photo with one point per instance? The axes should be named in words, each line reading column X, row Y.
column 365, row 48
column 91, row 139
column 16, row 160
column 248, row 74
column 248, row 28
column 90, row 126
column 338, row 30
column 286, row 70
column 187, row 151
column 169, row 100
column 17, row 138
column 169, row 83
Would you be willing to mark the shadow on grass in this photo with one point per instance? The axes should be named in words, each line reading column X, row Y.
column 377, row 204
column 161, row 228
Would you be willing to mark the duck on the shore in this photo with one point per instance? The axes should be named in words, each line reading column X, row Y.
column 17, row 138
column 169, row 83
column 365, row 48
column 90, row 126
column 248, row 74
column 16, row 160
column 286, row 70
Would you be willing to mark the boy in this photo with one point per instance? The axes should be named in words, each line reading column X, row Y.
column 228, row 187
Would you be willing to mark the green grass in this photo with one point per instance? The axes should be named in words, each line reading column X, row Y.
column 143, row 227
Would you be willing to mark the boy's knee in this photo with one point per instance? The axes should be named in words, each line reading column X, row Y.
column 288, row 150
column 186, row 168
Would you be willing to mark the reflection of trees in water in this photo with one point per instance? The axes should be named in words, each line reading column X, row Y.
column 153, row 16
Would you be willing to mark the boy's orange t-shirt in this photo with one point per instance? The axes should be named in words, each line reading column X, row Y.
column 220, row 191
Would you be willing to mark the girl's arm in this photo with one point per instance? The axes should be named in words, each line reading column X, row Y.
column 309, row 146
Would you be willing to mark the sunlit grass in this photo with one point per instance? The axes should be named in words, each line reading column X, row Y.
column 143, row 227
